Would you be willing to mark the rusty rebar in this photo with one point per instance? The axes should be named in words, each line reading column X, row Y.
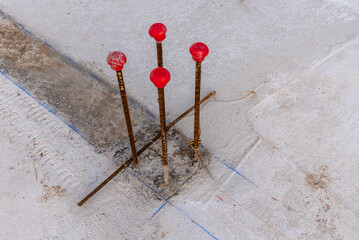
column 126, row 111
column 147, row 145
column 159, row 54
column 162, row 107
column 161, row 101
column 197, row 98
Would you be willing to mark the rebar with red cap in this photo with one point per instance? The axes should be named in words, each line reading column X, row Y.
column 158, row 32
column 160, row 77
column 198, row 51
column 116, row 60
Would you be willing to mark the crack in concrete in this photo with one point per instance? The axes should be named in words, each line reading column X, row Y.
column 332, row 52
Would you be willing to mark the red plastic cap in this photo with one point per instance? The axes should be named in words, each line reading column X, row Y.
column 160, row 77
column 158, row 31
column 116, row 60
column 199, row 51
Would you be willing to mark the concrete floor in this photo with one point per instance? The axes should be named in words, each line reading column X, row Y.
column 283, row 128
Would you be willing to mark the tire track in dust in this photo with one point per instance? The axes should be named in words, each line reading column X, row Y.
column 41, row 134
column 24, row 120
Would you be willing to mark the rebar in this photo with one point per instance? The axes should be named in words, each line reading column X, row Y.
column 196, row 108
column 126, row 111
column 159, row 54
column 161, row 100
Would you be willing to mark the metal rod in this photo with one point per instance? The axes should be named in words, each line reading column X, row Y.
column 161, row 100
column 126, row 111
column 196, row 107
column 147, row 145
column 159, row 54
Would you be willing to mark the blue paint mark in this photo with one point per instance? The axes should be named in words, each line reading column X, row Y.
column 48, row 109
column 193, row 221
column 93, row 181
column 234, row 170
column 228, row 166
column 97, row 177
column 159, row 209
column 179, row 209
column 159, row 194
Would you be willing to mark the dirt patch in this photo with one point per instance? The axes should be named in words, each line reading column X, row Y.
column 321, row 202
column 315, row 181
column 163, row 234
column 320, row 180
column 356, row 189
column 51, row 192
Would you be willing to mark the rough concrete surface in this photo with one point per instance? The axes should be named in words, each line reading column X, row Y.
column 88, row 105
column 254, row 46
column 282, row 129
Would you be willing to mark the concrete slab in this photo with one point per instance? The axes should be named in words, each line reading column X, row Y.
column 254, row 46
column 283, row 128
column 313, row 121
column 47, row 167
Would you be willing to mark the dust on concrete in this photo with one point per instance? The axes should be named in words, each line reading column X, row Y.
column 51, row 192
column 322, row 203
column 150, row 168
column 318, row 200
column 319, row 180
column 315, row 181
column 71, row 92
column 15, row 46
